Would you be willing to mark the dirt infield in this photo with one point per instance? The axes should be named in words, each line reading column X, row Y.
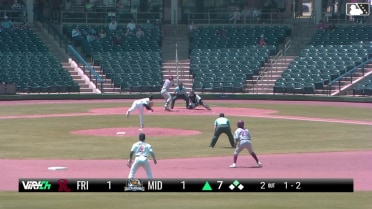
column 133, row 132
column 356, row 165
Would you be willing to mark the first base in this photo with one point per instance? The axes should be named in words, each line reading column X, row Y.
column 57, row 168
column 121, row 133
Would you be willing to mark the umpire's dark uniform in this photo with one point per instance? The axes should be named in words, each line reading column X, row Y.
column 222, row 125
column 180, row 93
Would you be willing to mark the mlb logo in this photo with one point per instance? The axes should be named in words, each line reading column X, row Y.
column 357, row 9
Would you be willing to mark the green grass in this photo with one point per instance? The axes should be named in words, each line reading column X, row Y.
column 313, row 111
column 50, row 138
column 357, row 200
column 24, row 138
column 283, row 109
column 54, row 108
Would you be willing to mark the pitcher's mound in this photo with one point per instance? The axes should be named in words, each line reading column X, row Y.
column 134, row 131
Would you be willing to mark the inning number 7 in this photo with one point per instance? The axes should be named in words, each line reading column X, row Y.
column 220, row 184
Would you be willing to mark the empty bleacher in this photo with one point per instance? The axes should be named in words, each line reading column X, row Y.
column 226, row 70
column 132, row 71
column 329, row 55
column 224, row 64
column 26, row 62
column 363, row 88
column 133, row 66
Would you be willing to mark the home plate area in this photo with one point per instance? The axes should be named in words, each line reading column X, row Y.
column 134, row 131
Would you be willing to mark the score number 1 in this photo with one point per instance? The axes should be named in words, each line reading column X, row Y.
column 109, row 184
column 183, row 185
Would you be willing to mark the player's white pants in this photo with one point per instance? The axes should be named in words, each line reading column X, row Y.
column 139, row 107
column 167, row 96
column 244, row 144
column 140, row 162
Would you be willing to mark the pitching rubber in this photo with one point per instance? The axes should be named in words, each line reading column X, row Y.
column 55, row 168
column 121, row 133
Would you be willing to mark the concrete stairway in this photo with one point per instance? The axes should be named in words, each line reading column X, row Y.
column 52, row 44
column 58, row 50
column 180, row 72
column 264, row 84
column 301, row 36
column 175, row 39
column 84, row 87
column 347, row 84
column 107, row 85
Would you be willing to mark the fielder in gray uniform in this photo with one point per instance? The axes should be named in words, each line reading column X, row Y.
column 180, row 93
column 141, row 150
column 165, row 92
column 243, row 138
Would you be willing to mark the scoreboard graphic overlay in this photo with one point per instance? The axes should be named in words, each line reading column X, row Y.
column 186, row 185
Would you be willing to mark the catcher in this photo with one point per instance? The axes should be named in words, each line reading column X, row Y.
column 180, row 93
column 140, row 104
column 195, row 100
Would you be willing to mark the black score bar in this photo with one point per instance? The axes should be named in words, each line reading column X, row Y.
column 186, row 185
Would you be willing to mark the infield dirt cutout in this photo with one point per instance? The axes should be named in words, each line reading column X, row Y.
column 134, row 131
column 160, row 131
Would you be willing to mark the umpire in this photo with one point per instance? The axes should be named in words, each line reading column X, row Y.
column 180, row 93
column 222, row 125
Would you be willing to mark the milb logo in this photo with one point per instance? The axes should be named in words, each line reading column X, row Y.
column 357, row 9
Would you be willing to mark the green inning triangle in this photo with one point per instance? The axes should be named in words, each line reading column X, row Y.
column 207, row 187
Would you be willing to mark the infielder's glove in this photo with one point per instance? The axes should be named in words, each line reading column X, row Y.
column 129, row 164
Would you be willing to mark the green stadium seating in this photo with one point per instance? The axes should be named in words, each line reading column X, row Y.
column 364, row 88
column 236, row 56
column 26, row 62
column 128, row 65
column 329, row 55
column 138, row 71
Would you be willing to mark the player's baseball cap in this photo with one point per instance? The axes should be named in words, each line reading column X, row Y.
column 222, row 115
column 142, row 136
column 151, row 97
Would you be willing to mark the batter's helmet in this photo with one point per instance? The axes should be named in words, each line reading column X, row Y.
column 240, row 124
column 170, row 78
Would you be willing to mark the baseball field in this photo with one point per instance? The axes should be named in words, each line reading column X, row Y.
column 292, row 139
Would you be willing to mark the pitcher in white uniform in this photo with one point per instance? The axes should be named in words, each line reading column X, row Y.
column 140, row 104
column 141, row 150
column 165, row 92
